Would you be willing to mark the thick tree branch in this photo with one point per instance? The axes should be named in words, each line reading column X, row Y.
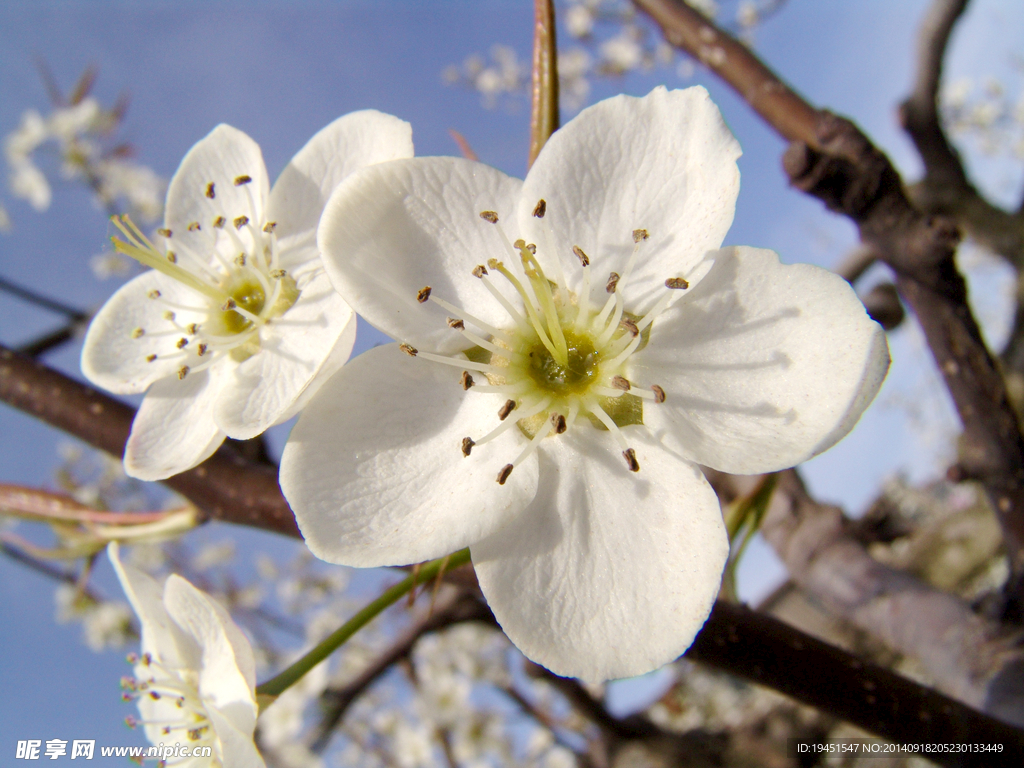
column 225, row 486
column 833, row 161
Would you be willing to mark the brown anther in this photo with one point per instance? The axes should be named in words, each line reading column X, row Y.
column 506, row 409
column 277, row 274
column 219, row 222
column 677, row 283
column 541, row 208
column 584, row 259
column 659, row 393
column 182, row 343
column 172, row 257
column 192, row 328
column 410, row 350
column 467, row 445
column 456, row 323
column 270, row 226
column 240, row 259
column 154, row 294
column 479, row 270
column 490, row 216
column 558, row 421
column 210, row 191
column 150, row 358
column 183, row 372
column 240, row 222
column 202, row 349
column 532, row 248
column 639, row 235
column 629, row 325
column 519, row 244
column 505, row 472
column 630, row 456
column 164, row 232
column 138, row 333
column 621, row 382
column 423, row 294
column 240, row 180
column 168, row 315
column 466, row 380
column 613, row 281
column 228, row 305
column 194, row 226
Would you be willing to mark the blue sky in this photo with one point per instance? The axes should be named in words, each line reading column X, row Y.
column 280, row 71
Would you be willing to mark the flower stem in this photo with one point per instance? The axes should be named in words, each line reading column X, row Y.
column 274, row 687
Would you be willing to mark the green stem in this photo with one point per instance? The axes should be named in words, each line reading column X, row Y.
column 275, row 686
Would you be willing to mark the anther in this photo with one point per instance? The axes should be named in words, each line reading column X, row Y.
column 277, row 274
column 630, row 456
column 150, row 358
column 584, row 259
column 540, row 209
column 519, row 244
column 202, row 349
column 423, row 294
column 182, row 343
column 138, row 333
column 194, row 227
column 505, row 472
column 270, row 226
column 192, row 328
column 467, row 446
column 613, row 281
column 457, row 324
column 183, row 372
column 163, row 232
column 410, row 350
column 640, row 235
column 629, row 325
column 506, row 409
column 240, row 222
column 172, row 257
column 677, row 283
column 466, row 380
column 558, row 421
column 228, row 305
column 219, row 222
column 479, row 270
column 240, row 259
column 490, row 216
column 532, row 248
column 659, row 393
column 154, row 294
column 210, row 191
column 168, row 315
column 240, row 180
column 621, row 382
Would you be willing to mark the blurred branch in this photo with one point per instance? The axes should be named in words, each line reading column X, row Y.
column 225, row 486
column 544, row 119
column 48, row 341
column 829, row 158
column 945, row 188
column 42, row 301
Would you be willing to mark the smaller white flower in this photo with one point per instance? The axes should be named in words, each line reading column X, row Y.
column 236, row 324
column 195, row 679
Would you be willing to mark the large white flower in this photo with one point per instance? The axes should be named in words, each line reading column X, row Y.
column 579, row 338
column 195, row 679
column 236, row 324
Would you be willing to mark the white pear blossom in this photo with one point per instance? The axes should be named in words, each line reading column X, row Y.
column 573, row 346
column 236, row 323
column 195, row 678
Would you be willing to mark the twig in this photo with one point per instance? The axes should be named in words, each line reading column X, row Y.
column 52, row 340
column 544, row 118
column 42, row 301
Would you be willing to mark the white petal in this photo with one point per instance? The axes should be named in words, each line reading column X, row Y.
column 113, row 359
column 665, row 163
column 764, row 365
column 173, row 429
column 225, row 652
column 224, row 156
column 608, row 573
column 349, row 143
column 317, row 331
column 395, row 228
column 237, row 749
column 374, row 469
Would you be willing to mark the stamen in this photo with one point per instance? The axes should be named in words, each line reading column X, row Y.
column 240, row 221
column 479, row 270
column 463, row 315
column 493, row 348
column 652, row 394
column 543, row 432
column 583, row 311
column 423, row 294
column 456, row 324
column 605, row 419
column 269, row 227
column 410, row 350
column 211, row 191
column 240, row 180
column 194, row 227
column 659, row 393
column 505, row 472
column 150, row 358
column 540, row 209
column 219, row 222
column 558, row 421
column 466, row 381
column 138, row 333
column 489, row 216
column 656, row 310
column 512, row 311
column 630, row 456
column 467, row 446
column 677, row 283
column 506, row 409
column 535, row 320
column 584, row 259
column 183, row 372
column 613, row 280
column 620, row 358
column 163, row 232
column 621, row 382
column 455, row 361
column 542, row 290
column 639, row 235
column 532, row 410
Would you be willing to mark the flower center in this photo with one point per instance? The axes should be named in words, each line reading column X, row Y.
column 562, row 357
column 236, row 297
